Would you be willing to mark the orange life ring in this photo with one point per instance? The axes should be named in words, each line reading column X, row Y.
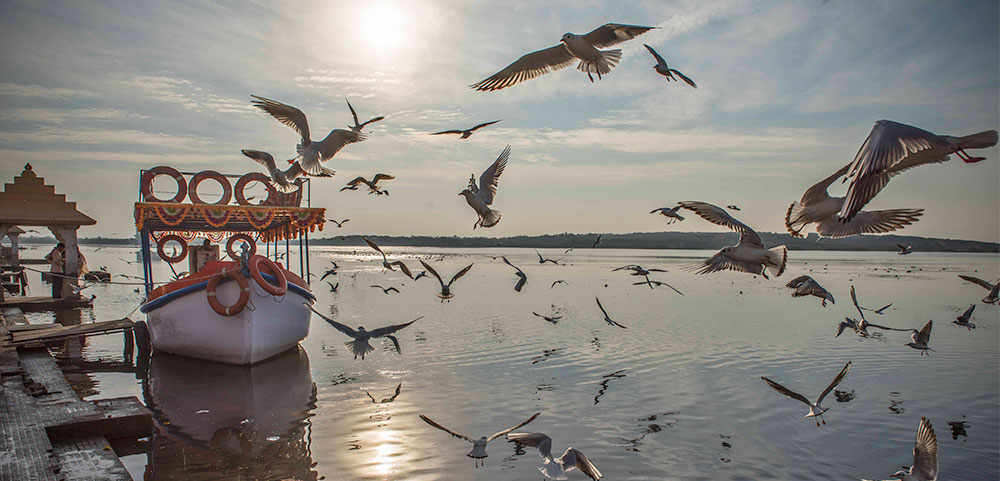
column 227, row 189
column 258, row 262
column 213, row 299
column 167, row 238
column 241, row 186
column 243, row 237
column 146, row 184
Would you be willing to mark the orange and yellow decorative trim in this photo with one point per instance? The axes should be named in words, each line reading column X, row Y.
column 267, row 223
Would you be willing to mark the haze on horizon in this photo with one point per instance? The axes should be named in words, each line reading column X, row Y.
column 91, row 92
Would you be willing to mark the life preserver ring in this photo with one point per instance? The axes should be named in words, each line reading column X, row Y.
column 243, row 237
column 213, row 299
column 146, row 184
column 227, row 189
column 241, row 186
column 172, row 259
column 259, row 262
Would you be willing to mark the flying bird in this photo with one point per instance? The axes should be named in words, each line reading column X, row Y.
column 652, row 283
column 733, row 207
column 861, row 327
column 556, row 468
column 903, row 250
column 333, row 287
column 892, row 148
column 310, row 153
column 385, row 261
column 919, row 339
column 329, row 272
column 807, row 286
column 597, row 241
column 372, row 184
column 419, row 275
column 522, row 277
column 481, row 197
column 542, row 260
column 667, row 72
column 387, row 290
column 284, row 180
column 360, row 346
column 478, row 452
column 749, row 255
column 446, row 288
column 815, row 408
column 925, row 456
column 465, row 133
column 607, row 318
column 965, row 320
column 994, row 288
column 560, row 281
column 339, row 224
column 880, row 310
column 669, row 212
column 552, row 319
column 816, row 206
column 637, row 270
column 388, row 399
column 356, row 128
column 571, row 48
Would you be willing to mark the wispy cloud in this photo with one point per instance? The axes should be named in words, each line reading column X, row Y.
column 186, row 93
column 59, row 116
column 43, row 92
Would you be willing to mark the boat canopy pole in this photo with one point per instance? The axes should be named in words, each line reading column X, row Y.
column 307, row 256
column 147, row 262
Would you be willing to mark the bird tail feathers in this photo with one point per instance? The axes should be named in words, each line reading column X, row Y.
column 981, row 140
column 792, row 221
column 552, row 470
column 776, row 259
column 609, row 58
column 490, row 218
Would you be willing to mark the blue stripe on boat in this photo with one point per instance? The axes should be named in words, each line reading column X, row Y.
column 166, row 298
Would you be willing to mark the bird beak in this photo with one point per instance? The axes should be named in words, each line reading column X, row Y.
column 459, row 193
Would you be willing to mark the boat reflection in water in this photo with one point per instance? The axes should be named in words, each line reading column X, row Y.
column 221, row 421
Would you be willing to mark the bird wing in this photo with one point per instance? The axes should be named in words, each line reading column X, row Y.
column 901, row 247
column 836, row 381
column 353, row 113
column 373, row 246
column 432, row 271
column 719, row 216
column 924, row 336
column 968, row 312
column 336, row 140
column 505, row 431
column 382, row 331
column 536, row 440
column 483, row 125
column 925, row 455
column 879, row 310
column 460, row 274
column 614, row 33
column 854, row 298
column 357, row 181
column 285, row 114
column 869, row 222
column 490, row 178
column 784, row 390
column 818, row 191
column 886, row 146
column 398, row 388
column 449, row 431
column 848, row 324
column 448, row 132
column 395, row 342
column 687, row 81
column 794, row 283
column 370, row 397
column 537, row 314
column 340, row 327
column 977, row 280
column 583, row 464
column 402, row 267
column 509, row 264
column 392, row 289
column 657, row 56
column 379, row 177
column 521, row 282
column 718, row 263
column 602, row 308
column 262, row 158
column 529, row 66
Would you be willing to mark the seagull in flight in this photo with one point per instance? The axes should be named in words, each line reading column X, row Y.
column 542, row 260
column 815, row 408
column 339, row 224
column 419, row 275
column 385, row 261
column 892, row 148
column 284, row 180
column 356, row 128
column 807, row 286
column 925, row 456
column 816, row 206
column 607, row 318
column 560, row 281
column 903, row 250
column 667, row 72
column 861, row 327
column 388, row 399
column 556, row 468
column 445, row 288
column 481, row 196
column 652, row 283
column 387, row 290
column 360, row 346
column 965, row 320
column 597, row 241
column 552, row 319
column 372, row 184
column 478, row 452
column 749, row 255
column 919, row 339
column 669, row 212
column 465, row 133
column 733, row 207
column 333, row 287
column 571, row 48
column 329, row 272
column 878, row 311
column 522, row 277
column 310, row 153
column 637, row 270
column 990, row 298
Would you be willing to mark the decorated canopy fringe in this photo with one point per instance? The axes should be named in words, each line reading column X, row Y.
column 268, row 223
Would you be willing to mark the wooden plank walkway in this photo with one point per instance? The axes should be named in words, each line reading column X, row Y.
column 35, row 304
column 21, row 337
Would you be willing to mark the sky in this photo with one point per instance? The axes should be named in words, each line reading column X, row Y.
column 92, row 92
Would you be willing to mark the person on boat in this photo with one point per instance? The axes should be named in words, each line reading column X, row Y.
column 57, row 259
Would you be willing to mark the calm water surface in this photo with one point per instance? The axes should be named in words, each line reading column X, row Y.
column 677, row 395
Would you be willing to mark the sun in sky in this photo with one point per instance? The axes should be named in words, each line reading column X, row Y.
column 382, row 25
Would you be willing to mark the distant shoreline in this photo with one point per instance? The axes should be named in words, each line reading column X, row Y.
column 636, row 240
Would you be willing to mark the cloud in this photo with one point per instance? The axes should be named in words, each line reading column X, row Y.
column 187, row 94
column 59, row 116
column 40, row 91
column 86, row 136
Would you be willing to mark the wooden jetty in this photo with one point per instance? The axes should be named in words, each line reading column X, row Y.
column 37, row 304
column 46, row 431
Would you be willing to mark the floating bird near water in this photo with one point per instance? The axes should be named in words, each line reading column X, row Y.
column 892, row 148
column 552, row 319
column 815, row 408
column 522, row 277
column 749, row 255
column 994, row 288
column 356, row 128
column 284, row 180
column 388, row 399
column 385, row 261
column 478, row 452
column 903, row 250
column 481, row 197
column 446, row 288
column 925, row 456
column 556, row 468
column 965, row 319
column 572, row 48
column 372, row 184
column 607, row 318
column 387, row 290
column 667, row 72
column 339, row 224
column 807, row 286
column 542, row 260
column 360, row 346
column 310, row 153
column 816, row 206
column 465, row 133
column 919, row 339
column 670, row 212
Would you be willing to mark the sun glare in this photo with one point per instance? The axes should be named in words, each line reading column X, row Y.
column 382, row 24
